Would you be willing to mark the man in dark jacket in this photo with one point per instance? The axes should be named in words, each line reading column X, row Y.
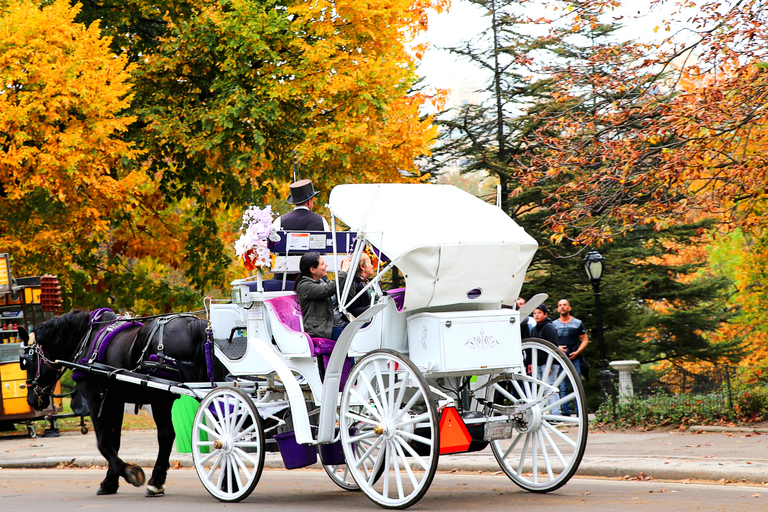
column 301, row 218
column 546, row 331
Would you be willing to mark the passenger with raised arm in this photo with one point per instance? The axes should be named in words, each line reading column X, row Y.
column 364, row 273
column 315, row 291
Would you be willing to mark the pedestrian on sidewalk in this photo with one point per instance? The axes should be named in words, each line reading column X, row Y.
column 572, row 340
column 546, row 331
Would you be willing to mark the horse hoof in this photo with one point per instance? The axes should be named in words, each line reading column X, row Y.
column 134, row 475
column 153, row 491
column 105, row 491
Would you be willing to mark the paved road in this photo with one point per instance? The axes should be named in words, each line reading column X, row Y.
column 44, row 490
column 730, row 455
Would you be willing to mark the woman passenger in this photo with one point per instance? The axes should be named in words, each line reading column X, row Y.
column 364, row 272
column 315, row 291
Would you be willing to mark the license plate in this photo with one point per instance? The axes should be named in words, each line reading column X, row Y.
column 498, row 430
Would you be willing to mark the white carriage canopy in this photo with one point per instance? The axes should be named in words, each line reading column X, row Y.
column 445, row 241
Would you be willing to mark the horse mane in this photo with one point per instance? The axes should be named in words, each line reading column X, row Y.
column 61, row 335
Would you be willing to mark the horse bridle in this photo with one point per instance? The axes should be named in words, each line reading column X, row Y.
column 34, row 349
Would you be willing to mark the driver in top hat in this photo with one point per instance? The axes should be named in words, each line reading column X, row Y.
column 301, row 218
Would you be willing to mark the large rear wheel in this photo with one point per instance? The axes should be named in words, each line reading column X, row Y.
column 546, row 447
column 389, row 429
column 228, row 444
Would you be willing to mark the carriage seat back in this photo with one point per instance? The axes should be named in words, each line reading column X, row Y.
column 288, row 329
column 398, row 297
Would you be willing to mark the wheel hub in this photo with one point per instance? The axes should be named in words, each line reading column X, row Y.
column 530, row 419
column 223, row 443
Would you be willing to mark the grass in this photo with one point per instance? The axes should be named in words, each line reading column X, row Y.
column 141, row 421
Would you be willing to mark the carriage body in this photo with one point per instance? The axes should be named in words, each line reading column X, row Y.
column 442, row 351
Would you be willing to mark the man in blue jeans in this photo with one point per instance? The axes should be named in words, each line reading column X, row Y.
column 572, row 340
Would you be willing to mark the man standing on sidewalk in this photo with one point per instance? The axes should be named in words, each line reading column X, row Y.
column 572, row 339
column 545, row 330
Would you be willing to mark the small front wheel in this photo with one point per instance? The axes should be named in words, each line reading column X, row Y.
column 389, row 429
column 228, row 444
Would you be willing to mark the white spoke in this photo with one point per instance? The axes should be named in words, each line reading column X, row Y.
column 414, row 437
column 391, row 386
column 561, row 435
column 544, row 454
column 551, row 443
column 244, row 455
column 386, row 411
column 412, row 452
column 214, row 423
column 216, row 465
column 512, row 446
column 233, row 463
column 408, row 406
column 365, row 404
column 368, row 452
column 504, row 392
column 361, row 419
column 534, row 457
column 421, row 417
column 396, row 467
column 523, row 455
column 373, row 395
column 407, row 466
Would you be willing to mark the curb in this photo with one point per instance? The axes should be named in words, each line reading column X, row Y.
column 635, row 469
column 714, row 428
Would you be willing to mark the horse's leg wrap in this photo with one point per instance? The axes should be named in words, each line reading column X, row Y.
column 153, row 491
column 134, row 475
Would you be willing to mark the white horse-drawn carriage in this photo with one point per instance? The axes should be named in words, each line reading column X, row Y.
column 439, row 365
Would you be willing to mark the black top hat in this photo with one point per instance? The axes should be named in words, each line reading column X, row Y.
column 301, row 192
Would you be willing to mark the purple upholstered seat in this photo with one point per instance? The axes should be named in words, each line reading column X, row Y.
column 398, row 297
column 288, row 312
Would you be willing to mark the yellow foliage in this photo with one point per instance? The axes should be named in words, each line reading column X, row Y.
column 61, row 97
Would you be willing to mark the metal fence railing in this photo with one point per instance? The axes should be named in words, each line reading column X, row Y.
column 717, row 392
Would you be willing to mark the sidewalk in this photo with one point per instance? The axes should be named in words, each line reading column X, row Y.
column 717, row 454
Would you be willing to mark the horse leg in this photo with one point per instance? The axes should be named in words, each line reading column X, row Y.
column 108, row 427
column 161, row 411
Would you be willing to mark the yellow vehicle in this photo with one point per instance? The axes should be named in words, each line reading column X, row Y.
column 19, row 307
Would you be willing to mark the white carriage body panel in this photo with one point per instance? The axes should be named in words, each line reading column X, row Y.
column 225, row 317
column 387, row 330
column 465, row 342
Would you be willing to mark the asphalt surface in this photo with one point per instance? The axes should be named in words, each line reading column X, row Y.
column 716, row 454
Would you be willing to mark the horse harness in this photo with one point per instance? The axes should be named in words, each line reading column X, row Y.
column 106, row 334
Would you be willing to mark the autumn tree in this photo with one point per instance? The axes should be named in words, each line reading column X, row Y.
column 227, row 91
column 63, row 94
column 223, row 95
column 543, row 74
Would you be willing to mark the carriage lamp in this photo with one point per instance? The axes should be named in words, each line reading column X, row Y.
column 594, row 264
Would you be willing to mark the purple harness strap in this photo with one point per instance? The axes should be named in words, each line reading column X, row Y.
column 103, row 338
column 111, row 332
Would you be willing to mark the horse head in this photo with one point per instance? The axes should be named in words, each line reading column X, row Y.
column 53, row 340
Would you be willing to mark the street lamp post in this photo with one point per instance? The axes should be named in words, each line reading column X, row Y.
column 594, row 264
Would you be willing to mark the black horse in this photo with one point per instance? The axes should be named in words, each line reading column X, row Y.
column 161, row 347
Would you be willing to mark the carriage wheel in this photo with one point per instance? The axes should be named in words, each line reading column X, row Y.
column 389, row 429
column 546, row 447
column 228, row 444
column 341, row 476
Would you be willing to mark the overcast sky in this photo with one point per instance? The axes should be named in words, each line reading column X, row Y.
column 465, row 20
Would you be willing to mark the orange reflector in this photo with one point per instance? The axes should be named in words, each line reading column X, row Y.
column 454, row 436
